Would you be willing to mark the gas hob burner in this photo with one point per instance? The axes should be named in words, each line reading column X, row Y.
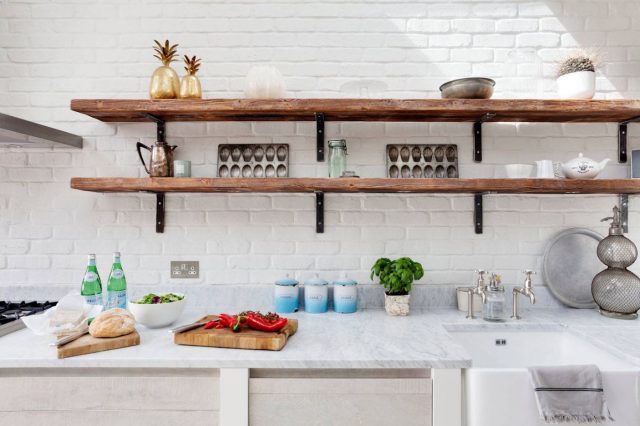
column 11, row 312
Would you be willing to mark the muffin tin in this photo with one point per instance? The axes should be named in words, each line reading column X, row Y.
column 253, row 160
column 422, row 161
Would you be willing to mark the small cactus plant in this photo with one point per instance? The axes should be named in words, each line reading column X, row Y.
column 581, row 60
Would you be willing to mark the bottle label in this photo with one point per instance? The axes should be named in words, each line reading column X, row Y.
column 93, row 299
column 117, row 299
column 117, row 273
column 90, row 276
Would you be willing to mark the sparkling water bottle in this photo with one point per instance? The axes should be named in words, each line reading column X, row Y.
column 117, row 285
column 91, row 288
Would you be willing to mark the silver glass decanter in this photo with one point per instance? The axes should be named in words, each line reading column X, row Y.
column 616, row 290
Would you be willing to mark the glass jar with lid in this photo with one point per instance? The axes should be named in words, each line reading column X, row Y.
column 494, row 308
column 337, row 157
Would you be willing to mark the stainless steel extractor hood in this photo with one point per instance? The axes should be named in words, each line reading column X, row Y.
column 15, row 131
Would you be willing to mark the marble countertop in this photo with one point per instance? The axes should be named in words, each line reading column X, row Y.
column 366, row 339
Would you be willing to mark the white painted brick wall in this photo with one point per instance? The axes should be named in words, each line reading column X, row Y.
column 51, row 53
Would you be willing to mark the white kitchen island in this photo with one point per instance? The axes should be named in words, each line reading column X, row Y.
column 362, row 367
column 366, row 365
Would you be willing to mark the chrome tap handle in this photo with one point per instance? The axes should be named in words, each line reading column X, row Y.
column 480, row 280
column 528, row 282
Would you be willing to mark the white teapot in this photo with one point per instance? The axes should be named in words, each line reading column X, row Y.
column 583, row 167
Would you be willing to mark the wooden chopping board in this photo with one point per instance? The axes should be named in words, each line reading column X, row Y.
column 246, row 339
column 88, row 344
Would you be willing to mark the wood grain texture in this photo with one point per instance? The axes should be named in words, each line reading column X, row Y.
column 356, row 185
column 88, row 344
column 340, row 402
column 246, row 339
column 136, row 417
column 177, row 390
column 452, row 110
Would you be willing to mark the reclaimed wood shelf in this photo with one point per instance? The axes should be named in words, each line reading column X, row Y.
column 452, row 110
column 477, row 111
column 358, row 185
column 320, row 186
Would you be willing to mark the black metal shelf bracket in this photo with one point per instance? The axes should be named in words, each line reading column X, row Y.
column 160, row 126
column 319, row 212
column 477, row 213
column 477, row 136
column 319, row 136
column 624, row 212
column 622, row 139
column 160, row 212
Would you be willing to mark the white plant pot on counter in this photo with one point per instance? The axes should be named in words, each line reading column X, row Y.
column 396, row 305
column 577, row 85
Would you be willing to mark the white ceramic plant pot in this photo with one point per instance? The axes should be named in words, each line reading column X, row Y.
column 396, row 305
column 577, row 85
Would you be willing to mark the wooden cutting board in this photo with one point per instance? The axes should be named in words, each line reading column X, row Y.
column 88, row 344
column 246, row 339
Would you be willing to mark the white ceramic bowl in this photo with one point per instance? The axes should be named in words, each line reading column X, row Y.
column 518, row 171
column 159, row 314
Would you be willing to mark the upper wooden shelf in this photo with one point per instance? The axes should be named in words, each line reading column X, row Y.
column 432, row 110
column 355, row 185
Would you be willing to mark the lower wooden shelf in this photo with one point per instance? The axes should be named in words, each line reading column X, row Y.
column 355, row 185
column 320, row 186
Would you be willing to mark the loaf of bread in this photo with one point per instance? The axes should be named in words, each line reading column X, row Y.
column 112, row 323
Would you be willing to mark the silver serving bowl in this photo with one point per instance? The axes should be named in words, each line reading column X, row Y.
column 468, row 88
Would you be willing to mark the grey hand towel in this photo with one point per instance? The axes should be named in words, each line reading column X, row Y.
column 570, row 393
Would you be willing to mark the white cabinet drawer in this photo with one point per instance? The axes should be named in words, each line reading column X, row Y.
column 110, row 396
column 340, row 401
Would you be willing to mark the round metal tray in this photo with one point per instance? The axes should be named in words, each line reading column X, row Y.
column 570, row 262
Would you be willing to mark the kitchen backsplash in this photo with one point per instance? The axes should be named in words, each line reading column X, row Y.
column 46, row 229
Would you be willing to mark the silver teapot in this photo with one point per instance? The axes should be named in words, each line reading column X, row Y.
column 161, row 160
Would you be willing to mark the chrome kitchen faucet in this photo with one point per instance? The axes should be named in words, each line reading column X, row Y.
column 478, row 289
column 527, row 290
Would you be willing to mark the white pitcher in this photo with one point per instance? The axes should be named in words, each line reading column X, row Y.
column 544, row 169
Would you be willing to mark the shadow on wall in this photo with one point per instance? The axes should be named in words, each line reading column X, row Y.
column 608, row 26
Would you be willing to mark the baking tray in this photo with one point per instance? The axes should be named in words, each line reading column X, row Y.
column 569, row 264
column 253, row 160
column 422, row 161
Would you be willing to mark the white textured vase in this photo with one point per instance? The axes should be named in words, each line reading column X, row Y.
column 396, row 305
column 577, row 85
column 264, row 82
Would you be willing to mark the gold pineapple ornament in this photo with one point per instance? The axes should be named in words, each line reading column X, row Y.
column 190, row 85
column 165, row 83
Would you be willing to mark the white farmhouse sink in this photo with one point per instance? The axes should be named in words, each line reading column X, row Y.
column 498, row 391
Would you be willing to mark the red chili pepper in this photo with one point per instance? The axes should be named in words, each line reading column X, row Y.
column 237, row 324
column 226, row 319
column 210, row 324
column 269, row 317
column 258, row 323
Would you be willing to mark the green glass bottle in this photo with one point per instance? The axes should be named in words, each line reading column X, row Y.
column 91, row 285
column 117, row 285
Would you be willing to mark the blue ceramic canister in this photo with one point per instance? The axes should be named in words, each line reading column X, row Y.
column 287, row 298
column 345, row 296
column 316, row 295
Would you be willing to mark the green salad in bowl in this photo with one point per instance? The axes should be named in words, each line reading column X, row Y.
column 158, row 310
column 152, row 299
